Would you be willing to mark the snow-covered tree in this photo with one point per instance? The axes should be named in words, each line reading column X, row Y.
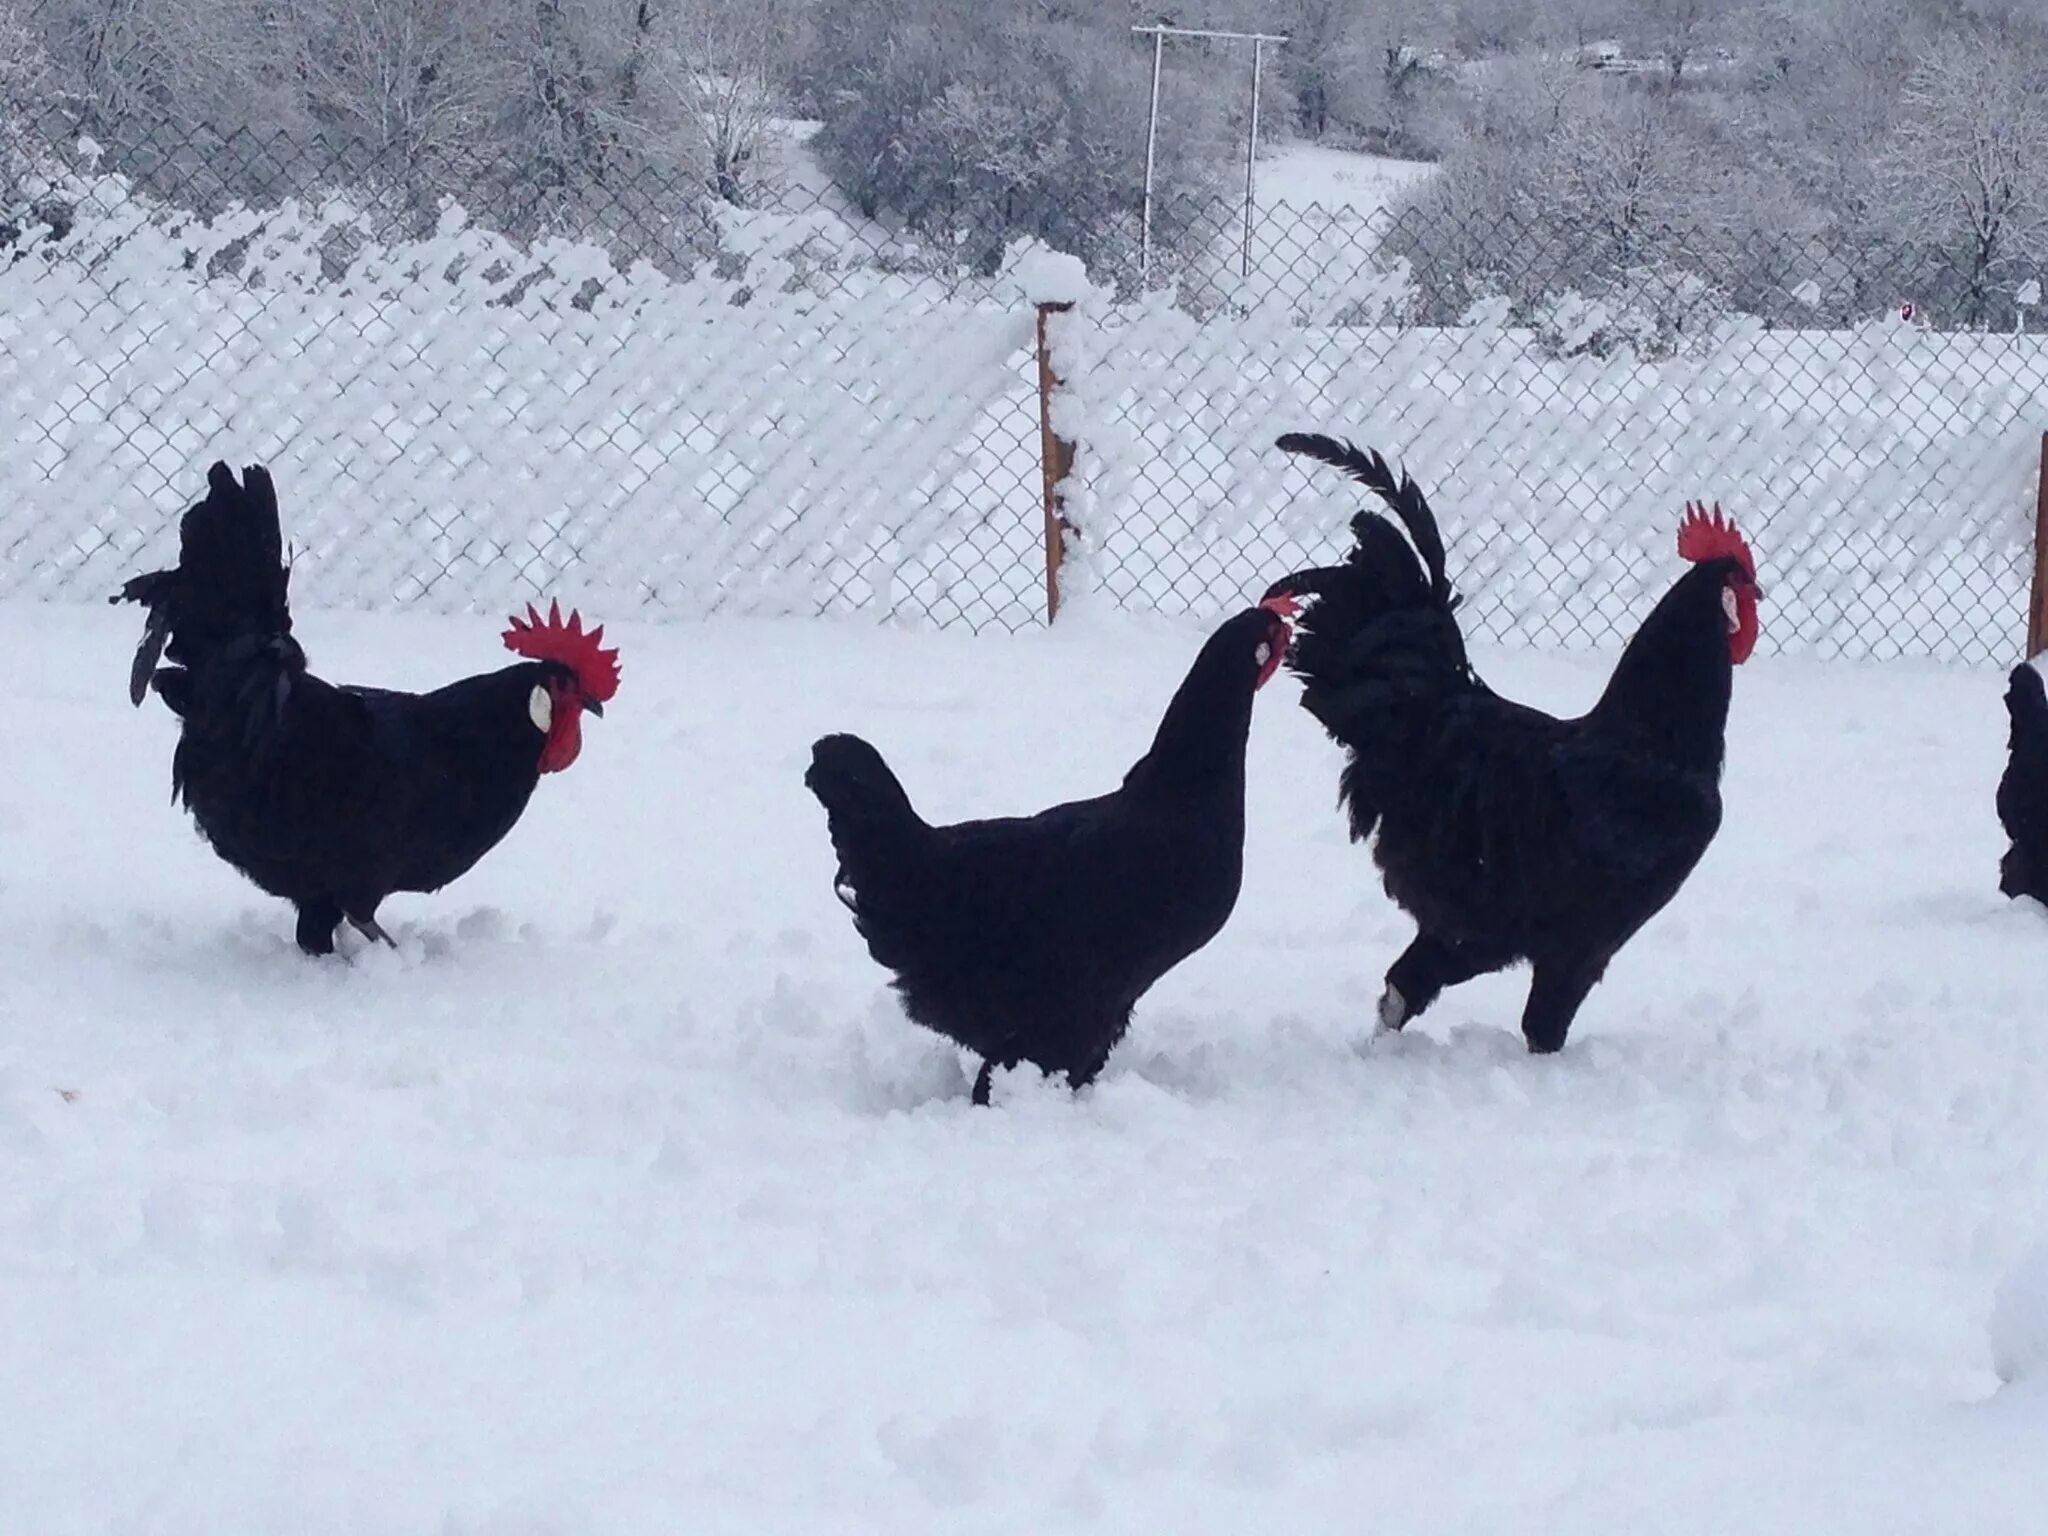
column 716, row 67
column 24, row 79
column 1672, row 32
column 1966, row 168
column 410, row 87
column 975, row 123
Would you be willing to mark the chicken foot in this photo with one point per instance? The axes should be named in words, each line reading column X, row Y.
column 1424, row 969
column 372, row 930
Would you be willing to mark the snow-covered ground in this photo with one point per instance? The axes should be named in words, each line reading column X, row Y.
column 1320, row 216
column 622, row 1200
column 1300, row 176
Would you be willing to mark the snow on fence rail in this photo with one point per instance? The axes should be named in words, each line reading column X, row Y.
column 1886, row 477
column 457, row 421
column 797, row 428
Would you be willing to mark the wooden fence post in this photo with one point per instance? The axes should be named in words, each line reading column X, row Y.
column 1056, row 455
column 2037, row 609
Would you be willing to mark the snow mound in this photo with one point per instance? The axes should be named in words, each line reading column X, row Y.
column 2019, row 1320
column 1048, row 276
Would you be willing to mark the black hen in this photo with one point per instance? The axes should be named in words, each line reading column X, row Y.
column 2023, row 788
column 329, row 797
column 1031, row 938
column 1507, row 834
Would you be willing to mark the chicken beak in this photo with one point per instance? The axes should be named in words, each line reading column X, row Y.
column 592, row 706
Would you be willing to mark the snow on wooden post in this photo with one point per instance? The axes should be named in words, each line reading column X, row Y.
column 2037, row 609
column 1056, row 455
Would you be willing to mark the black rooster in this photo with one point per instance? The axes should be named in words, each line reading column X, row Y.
column 1032, row 938
column 2023, row 788
column 333, row 798
column 1506, row 834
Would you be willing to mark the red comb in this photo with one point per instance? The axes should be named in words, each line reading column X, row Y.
column 1704, row 535
column 549, row 639
column 1283, row 603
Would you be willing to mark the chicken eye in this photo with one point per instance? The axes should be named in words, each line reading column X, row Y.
column 540, row 709
column 1728, row 607
column 1264, row 653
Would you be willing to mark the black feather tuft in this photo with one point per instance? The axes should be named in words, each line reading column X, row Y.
column 1401, row 494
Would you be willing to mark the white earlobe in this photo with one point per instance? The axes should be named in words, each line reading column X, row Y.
column 1728, row 607
column 541, row 710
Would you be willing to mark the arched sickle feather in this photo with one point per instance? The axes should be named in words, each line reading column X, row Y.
column 1402, row 496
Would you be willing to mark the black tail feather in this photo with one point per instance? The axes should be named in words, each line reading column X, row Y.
column 2023, row 787
column 1403, row 496
column 866, row 807
column 230, row 583
column 2026, row 702
column 1380, row 641
column 878, row 837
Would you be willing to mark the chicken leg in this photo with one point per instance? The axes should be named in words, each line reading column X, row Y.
column 1555, row 994
column 1424, row 969
column 317, row 922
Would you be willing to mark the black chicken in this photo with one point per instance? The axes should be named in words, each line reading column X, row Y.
column 2023, row 788
column 330, row 797
column 1506, row 834
column 1031, row 938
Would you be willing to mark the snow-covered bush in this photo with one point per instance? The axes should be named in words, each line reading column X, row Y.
column 1654, row 312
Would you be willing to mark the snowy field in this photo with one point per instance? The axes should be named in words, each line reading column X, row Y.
column 1301, row 176
column 622, row 1200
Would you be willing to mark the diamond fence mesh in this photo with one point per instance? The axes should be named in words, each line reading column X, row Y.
column 683, row 405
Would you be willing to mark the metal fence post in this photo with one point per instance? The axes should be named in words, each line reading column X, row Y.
column 2037, row 609
column 1056, row 455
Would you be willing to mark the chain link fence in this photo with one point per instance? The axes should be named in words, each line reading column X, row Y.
column 663, row 401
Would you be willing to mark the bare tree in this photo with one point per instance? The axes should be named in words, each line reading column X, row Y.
column 1575, row 23
column 1673, row 31
column 560, row 119
column 411, row 82
column 1528, row 99
column 1624, row 173
column 114, row 55
column 23, row 66
column 24, row 77
column 1967, row 164
column 1482, row 27
column 714, row 63
column 1323, row 48
column 1395, row 37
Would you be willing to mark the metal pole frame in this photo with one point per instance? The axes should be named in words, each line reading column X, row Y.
column 1251, row 156
column 1159, row 35
column 1151, row 149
